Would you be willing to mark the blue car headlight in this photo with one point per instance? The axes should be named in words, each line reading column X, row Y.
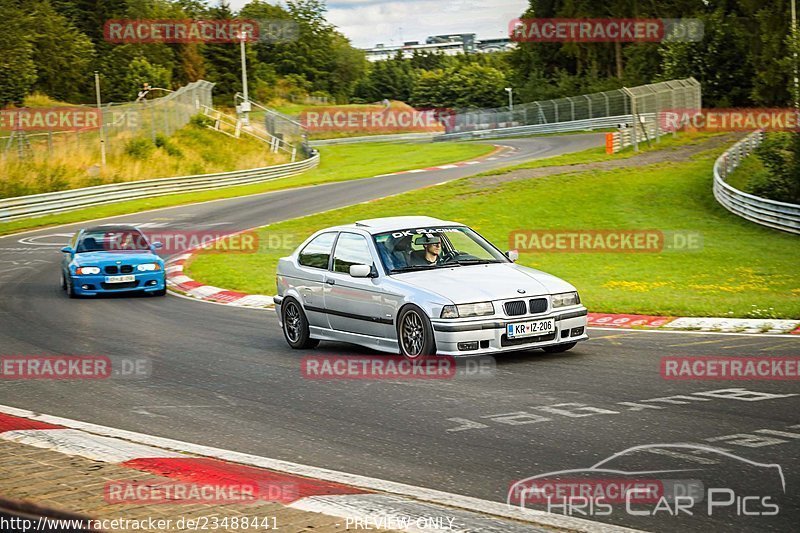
column 87, row 271
column 148, row 267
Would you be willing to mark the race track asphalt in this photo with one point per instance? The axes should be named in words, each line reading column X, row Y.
column 224, row 377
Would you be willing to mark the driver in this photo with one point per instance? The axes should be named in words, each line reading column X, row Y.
column 430, row 254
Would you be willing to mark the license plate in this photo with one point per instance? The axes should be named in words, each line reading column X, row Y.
column 532, row 328
column 120, row 279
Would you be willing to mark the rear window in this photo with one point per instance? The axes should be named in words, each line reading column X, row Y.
column 317, row 253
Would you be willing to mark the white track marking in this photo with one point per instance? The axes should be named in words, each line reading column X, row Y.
column 431, row 496
column 73, row 442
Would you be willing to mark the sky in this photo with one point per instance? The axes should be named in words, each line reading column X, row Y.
column 369, row 22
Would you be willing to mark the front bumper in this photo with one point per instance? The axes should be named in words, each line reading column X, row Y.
column 490, row 333
column 145, row 281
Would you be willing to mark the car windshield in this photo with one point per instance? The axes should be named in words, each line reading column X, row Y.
column 112, row 241
column 426, row 248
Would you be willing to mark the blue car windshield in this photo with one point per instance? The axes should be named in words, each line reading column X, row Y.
column 444, row 247
column 112, row 241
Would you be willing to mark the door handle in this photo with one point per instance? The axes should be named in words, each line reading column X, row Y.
column 330, row 281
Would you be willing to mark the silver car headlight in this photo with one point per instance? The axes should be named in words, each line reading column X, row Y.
column 565, row 299
column 148, row 267
column 467, row 310
column 89, row 271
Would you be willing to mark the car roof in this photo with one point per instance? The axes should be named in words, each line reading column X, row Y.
column 110, row 228
column 380, row 225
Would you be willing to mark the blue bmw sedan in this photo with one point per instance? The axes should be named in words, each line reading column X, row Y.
column 112, row 259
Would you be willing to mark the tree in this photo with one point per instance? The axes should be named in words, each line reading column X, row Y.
column 62, row 53
column 141, row 71
column 223, row 61
column 718, row 61
column 17, row 67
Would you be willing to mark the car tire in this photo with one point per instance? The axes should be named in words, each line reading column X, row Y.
column 161, row 292
column 295, row 326
column 63, row 281
column 415, row 333
column 70, row 288
column 560, row 348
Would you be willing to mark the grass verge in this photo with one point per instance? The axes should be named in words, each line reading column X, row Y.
column 339, row 163
column 741, row 270
column 73, row 159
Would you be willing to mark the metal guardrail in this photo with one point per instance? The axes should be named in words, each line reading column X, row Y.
column 394, row 137
column 234, row 127
column 556, row 127
column 59, row 202
column 778, row 215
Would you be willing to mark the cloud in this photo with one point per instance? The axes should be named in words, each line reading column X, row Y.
column 368, row 22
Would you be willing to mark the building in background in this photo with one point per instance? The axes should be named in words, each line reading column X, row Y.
column 450, row 45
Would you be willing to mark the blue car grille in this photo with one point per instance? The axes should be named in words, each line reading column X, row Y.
column 114, row 269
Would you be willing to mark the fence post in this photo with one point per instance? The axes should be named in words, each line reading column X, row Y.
column 635, row 118
column 152, row 123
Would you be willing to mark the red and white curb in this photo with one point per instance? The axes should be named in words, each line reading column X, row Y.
column 501, row 151
column 333, row 493
column 177, row 280
column 706, row 324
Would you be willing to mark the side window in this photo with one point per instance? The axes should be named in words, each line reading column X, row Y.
column 351, row 249
column 317, row 253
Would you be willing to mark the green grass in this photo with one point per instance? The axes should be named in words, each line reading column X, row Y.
column 594, row 155
column 742, row 270
column 751, row 170
column 339, row 163
column 74, row 161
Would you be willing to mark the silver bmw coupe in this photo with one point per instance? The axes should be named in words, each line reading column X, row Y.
column 421, row 286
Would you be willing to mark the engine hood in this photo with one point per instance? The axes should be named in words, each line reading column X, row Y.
column 479, row 283
column 104, row 257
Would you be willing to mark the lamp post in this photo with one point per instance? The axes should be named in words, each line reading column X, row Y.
column 245, row 105
column 796, row 95
column 102, row 126
column 510, row 91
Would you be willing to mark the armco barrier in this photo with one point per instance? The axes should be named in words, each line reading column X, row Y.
column 556, row 127
column 59, row 202
column 778, row 215
column 394, row 137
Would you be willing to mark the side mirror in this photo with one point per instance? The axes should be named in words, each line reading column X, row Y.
column 513, row 255
column 156, row 246
column 361, row 271
column 68, row 250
